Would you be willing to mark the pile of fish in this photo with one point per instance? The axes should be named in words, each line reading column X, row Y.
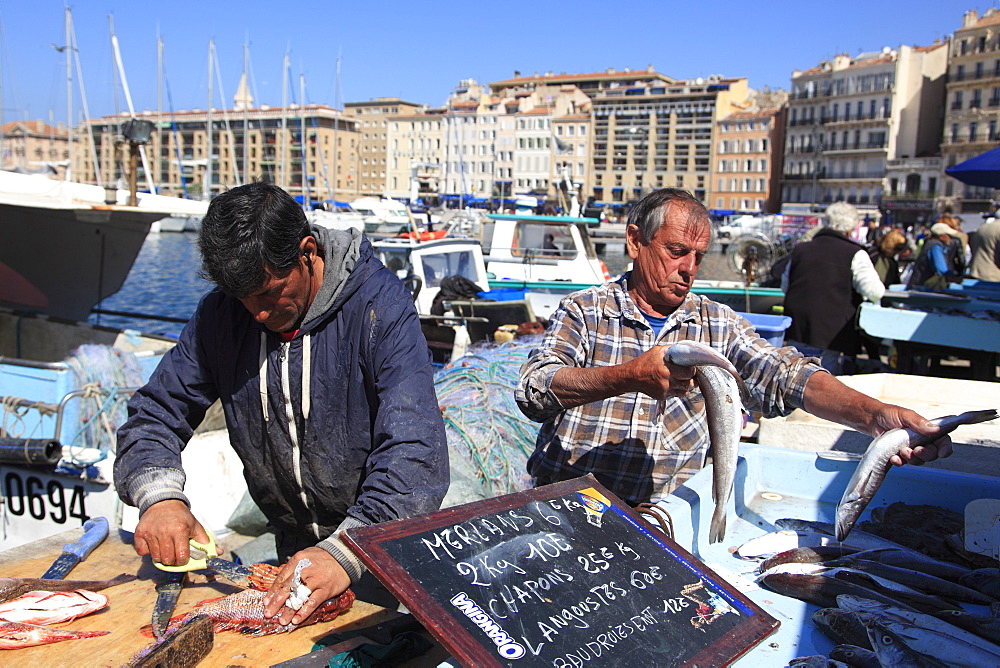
column 917, row 600
column 29, row 606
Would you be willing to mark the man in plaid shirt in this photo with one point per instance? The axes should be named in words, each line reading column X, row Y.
column 598, row 379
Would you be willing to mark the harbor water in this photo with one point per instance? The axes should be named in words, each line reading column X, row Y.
column 164, row 281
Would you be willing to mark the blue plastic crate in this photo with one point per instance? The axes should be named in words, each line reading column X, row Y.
column 504, row 294
column 770, row 327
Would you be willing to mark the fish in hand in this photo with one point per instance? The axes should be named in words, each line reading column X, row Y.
column 875, row 464
column 11, row 588
column 722, row 387
column 15, row 635
column 47, row 607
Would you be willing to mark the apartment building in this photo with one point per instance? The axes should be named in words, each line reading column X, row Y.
column 972, row 111
column 748, row 160
column 374, row 118
column 311, row 151
column 415, row 154
column 848, row 117
column 659, row 135
column 35, row 146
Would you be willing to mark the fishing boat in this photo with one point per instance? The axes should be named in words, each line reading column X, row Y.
column 63, row 248
column 66, row 246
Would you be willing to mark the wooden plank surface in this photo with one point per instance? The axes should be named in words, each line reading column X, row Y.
column 130, row 607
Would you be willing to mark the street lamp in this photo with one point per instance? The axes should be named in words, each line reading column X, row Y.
column 136, row 132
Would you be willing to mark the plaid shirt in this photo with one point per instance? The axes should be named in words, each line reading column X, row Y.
column 624, row 441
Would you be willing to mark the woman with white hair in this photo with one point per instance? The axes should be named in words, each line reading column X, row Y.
column 824, row 283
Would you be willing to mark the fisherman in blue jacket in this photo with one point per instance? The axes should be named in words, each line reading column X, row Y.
column 314, row 349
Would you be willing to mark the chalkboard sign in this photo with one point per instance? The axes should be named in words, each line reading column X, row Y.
column 561, row 575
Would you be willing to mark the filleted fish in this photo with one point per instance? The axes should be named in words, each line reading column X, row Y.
column 47, row 607
column 875, row 464
column 16, row 635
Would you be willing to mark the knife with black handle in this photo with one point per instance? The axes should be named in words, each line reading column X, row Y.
column 95, row 531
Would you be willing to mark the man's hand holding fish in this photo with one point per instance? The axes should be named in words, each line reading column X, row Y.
column 325, row 577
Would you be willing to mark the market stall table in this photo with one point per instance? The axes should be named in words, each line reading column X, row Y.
column 131, row 606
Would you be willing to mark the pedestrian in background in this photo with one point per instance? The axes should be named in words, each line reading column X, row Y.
column 934, row 268
column 985, row 264
column 824, row 283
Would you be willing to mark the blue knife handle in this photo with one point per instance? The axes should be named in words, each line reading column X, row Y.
column 96, row 530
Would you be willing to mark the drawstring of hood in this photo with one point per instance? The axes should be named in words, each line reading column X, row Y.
column 286, row 391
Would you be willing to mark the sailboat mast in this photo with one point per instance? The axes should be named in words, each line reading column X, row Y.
column 69, row 97
column 246, row 109
column 131, row 109
column 336, row 125
column 159, row 102
column 208, row 118
column 302, row 142
column 283, row 166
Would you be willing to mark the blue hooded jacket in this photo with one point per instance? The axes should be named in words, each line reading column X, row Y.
column 367, row 441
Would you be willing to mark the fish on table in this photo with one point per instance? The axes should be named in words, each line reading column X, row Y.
column 844, row 627
column 856, row 656
column 244, row 610
column 16, row 635
column 892, row 651
column 46, row 607
column 876, row 462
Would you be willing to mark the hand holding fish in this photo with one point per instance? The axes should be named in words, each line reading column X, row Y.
column 325, row 577
column 894, row 417
column 164, row 530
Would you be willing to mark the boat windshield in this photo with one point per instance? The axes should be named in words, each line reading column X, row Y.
column 454, row 263
column 541, row 239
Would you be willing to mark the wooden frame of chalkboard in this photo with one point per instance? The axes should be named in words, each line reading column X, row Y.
column 561, row 575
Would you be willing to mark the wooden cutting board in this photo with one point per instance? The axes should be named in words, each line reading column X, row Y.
column 131, row 605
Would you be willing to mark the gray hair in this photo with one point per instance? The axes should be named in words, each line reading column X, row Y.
column 652, row 210
column 841, row 217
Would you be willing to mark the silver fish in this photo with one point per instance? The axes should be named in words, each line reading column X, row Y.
column 919, row 619
column 695, row 353
column 776, row 542
column 859, row 538
column 917, row 580
column 725, row 425
column 893, row 652
column 942, row 647
column 842, row 626
column 911, row 559
column 856, row 656
column 874, row 466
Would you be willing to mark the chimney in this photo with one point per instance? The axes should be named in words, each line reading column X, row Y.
column 970, row 18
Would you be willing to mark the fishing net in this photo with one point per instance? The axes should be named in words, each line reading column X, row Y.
column 489, row 439
column 100, row 372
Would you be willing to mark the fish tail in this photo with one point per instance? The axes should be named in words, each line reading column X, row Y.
column 717, row 530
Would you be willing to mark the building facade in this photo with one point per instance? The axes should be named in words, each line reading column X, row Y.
column 35, row 146
column 374, row 118
column 311, row 151
column 748, row 160
column 415, row 154
column 972, row 111
column 848, row 117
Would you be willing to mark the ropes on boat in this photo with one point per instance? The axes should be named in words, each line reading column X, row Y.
column 489, row 439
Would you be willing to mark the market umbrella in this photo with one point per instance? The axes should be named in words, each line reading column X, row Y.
column 982, row 170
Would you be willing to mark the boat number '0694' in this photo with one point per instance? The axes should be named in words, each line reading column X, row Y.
column 30, row 495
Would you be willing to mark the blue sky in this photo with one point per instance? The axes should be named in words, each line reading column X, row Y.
column 420, row 50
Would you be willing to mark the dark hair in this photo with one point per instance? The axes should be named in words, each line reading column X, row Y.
column 652, row 210
column 248, row 230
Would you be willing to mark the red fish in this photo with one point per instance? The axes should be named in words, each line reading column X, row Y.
column 15, row 635
column 244, row 612
column 45, row 607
